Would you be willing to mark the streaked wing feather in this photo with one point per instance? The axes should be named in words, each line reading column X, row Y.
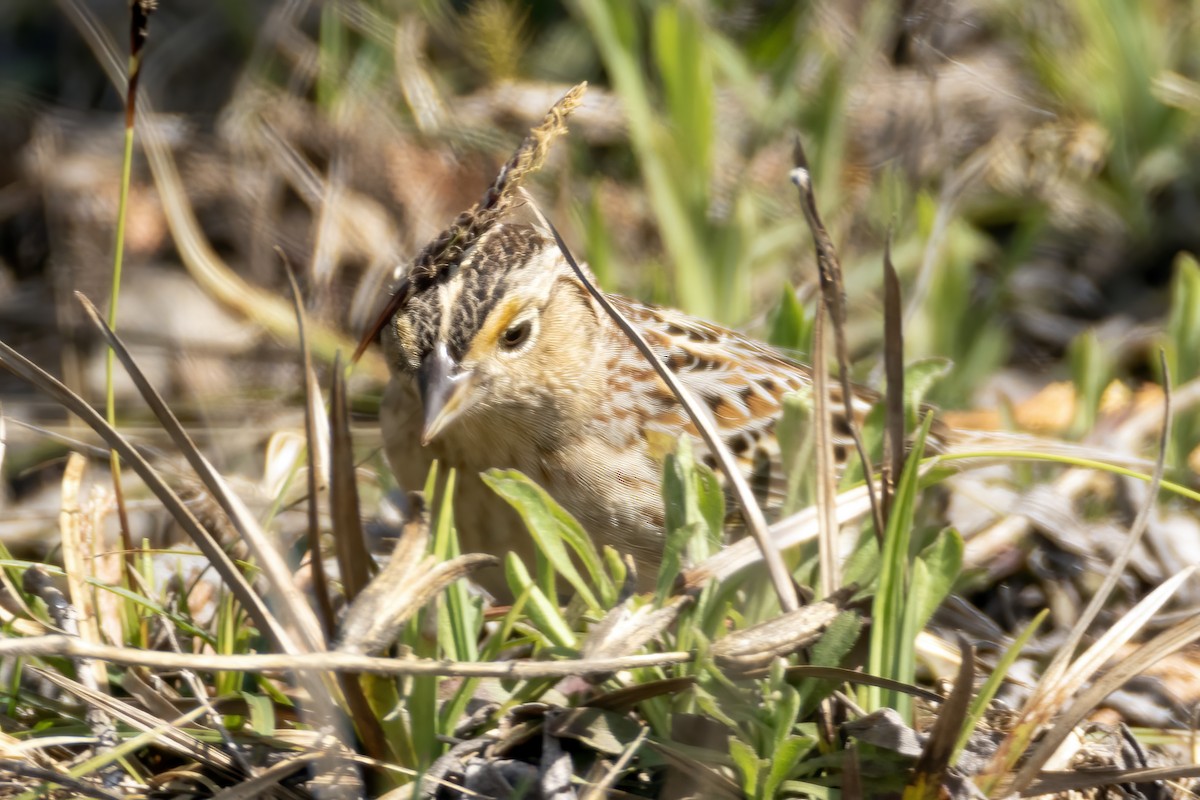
column 742, row 382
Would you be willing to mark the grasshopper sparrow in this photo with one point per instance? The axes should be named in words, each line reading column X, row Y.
column 500, row 358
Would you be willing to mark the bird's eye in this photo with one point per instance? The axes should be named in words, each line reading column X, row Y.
column 515, row 335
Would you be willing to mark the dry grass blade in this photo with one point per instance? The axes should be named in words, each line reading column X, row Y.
column 68, row 647
column 409, row 581
column 76, row 616
column 1062, row 677
column 275, row 569
column 220, row 560
column 1105, row 649
column 77, row 555
column 169, row 735
column 757, row 646
column 893, row 367
column 20, row 769
column 365, row 721
column 1146, row 656
column 601, row 788
column 79, row 446
column 622, row 631
column 315, row 456
column 1057, row 670
column 852, row 784
column 262, row 783
column 627, row 698
column 833, row 294
column 851, row 676
column 1067, row 784
column 826, row 477
column 930, row 772
column 756, row 523
column 353, row 559
column 1050, row 700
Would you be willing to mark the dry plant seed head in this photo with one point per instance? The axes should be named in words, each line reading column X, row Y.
column 447, row 249
column 500, row 358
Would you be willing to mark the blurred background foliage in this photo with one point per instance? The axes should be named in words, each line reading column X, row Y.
column 1031, row 162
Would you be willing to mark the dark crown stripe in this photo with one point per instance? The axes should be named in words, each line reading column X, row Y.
column 484, row 280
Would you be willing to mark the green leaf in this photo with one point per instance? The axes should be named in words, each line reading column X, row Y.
column 796, row 442
column 551, row 527
column 919, row 377
column 460, row 616
column 694, row 506
column 1182, row 348
column 934, row 576
column 544, row 614
column 892, row 644
column 785, row 712
column 784, row 761
column 862, row 567
column 1183, row 320
column 262, row 713
column 747, row 763
column 1091, row 370
column 710, row 500
column 681, row 53
column 383, row 695
column 838, row 640
column 790, row 328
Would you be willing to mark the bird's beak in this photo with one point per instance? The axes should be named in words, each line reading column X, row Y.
column 446, row 391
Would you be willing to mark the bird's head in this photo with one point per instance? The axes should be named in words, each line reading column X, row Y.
column 502, row 335
column 489, row 320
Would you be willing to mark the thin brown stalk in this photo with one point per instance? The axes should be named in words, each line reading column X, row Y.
column 893, row 367
column 311, row 402
column 833, row 294
column 352, row 556
column 756, row 523
column 929, row 774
